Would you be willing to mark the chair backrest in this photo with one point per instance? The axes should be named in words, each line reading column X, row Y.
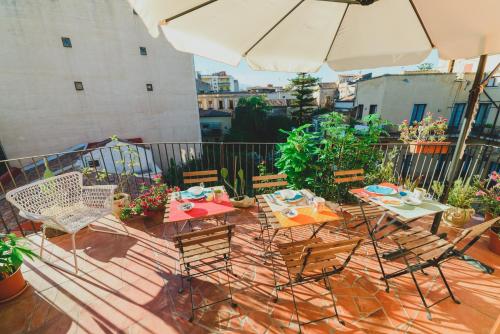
column 474, row 232
column 301, row 258
column 269, row 181
column 200, row 176
column 62, row 191
column 207, row 243
column 353, row 175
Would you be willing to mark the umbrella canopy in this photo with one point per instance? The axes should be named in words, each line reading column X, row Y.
column 301, row 35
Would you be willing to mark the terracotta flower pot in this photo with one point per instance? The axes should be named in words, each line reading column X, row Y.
column 12, row 286
column 428, row 147
column 494, row 244
column 457, row 217
column 122, row 201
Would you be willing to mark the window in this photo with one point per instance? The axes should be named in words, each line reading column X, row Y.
column 359, row 112
column 373, row 109
column 418, row 113
column 456, row 115
column 231, row 104
column 78, row 85
column 66, row 41
column 149, row 87
column 143, row 51
column 492, row 82
column 210, row 104
column 482, row 114
column 221, row 104
column 93, row 163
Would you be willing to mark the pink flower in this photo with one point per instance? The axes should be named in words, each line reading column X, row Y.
column 498, row 198
column 480, row 193
column 495, row 176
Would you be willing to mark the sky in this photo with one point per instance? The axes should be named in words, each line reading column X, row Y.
column 248, row 77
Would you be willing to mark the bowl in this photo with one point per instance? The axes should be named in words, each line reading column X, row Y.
column 196, row 191
column 288, row 194
column 412, row 200
column 186, row 206
column 290, row 213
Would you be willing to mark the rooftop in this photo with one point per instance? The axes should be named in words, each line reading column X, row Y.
column 129, row 285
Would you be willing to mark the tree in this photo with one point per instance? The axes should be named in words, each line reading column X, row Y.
column 303, row 87
column 251, row 122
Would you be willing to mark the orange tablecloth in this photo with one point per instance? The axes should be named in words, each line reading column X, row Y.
column 307, row 216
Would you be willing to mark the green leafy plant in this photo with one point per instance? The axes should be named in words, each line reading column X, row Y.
column 385, row 170
column 239, row 183
column 12, row 254
column 409, row 183
column 128, row 161
column 488, row 194
column 437, row 188
column 298, row 156
column 461, row 194
column 427, row 130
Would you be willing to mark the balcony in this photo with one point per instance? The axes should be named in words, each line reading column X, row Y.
column 130, row 284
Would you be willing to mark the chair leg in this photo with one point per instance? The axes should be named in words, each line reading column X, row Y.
column 191, row 295
column 378, row 256
column 43, row 241
column 74, row 252
column 447, row 286
column 295, row 303
column 329, row 287
column 233, row 304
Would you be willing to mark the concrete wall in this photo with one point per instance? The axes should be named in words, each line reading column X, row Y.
column 395, row 95
column 40, row 110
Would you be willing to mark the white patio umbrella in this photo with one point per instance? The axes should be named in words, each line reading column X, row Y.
column 301, row 35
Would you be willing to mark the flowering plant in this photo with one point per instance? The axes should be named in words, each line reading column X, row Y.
column 427, row 130
column 152, row 198
column 488, row 194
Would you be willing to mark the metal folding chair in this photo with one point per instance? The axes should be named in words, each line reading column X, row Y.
column 313, row 260
column 361, row 211
column 266, row 218
column 202, row 253
column 421, row 249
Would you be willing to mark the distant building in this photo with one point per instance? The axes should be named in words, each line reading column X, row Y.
column 409, row 96
column 76, row 71
column 220, row 82
column 214, row 124
column 326, row 94
column 229, row 100
column 202, row 86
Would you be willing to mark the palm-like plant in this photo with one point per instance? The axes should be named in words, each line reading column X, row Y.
column 12, row 254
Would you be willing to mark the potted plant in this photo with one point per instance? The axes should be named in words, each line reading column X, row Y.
column 460, row 197
column 240, row 200
column 427, row 136
column 150, row 203
column 489, row 200
column 12, row 282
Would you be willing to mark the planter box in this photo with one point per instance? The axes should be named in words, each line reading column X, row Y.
column 427, row 147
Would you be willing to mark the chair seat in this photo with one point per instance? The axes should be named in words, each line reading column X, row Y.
column 73, row 218
column 421, row 243
column 370, row 210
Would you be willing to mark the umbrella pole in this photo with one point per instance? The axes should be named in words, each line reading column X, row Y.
column 470, row 114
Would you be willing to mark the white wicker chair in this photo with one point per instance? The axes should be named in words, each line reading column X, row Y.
column 64, row 203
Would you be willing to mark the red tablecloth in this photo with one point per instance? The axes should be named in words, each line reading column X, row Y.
column 201, row 209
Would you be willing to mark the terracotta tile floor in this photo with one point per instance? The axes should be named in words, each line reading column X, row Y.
column 129, row 285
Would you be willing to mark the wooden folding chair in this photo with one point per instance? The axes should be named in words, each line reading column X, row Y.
column 266, row 218
column 205, row 176
column 354, row 212
column 421, row 249
column 361, row 211
column 314, row 260
column 202, row 253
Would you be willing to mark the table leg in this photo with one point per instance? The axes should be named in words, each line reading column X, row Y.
column 436, row 222
column 317, row 231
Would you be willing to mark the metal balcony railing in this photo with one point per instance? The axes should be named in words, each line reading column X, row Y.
column 172, row 159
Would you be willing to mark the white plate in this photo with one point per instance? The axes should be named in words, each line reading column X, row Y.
column 196, row 191
column 412, row 201
column 392, row 201
column 186, row 206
